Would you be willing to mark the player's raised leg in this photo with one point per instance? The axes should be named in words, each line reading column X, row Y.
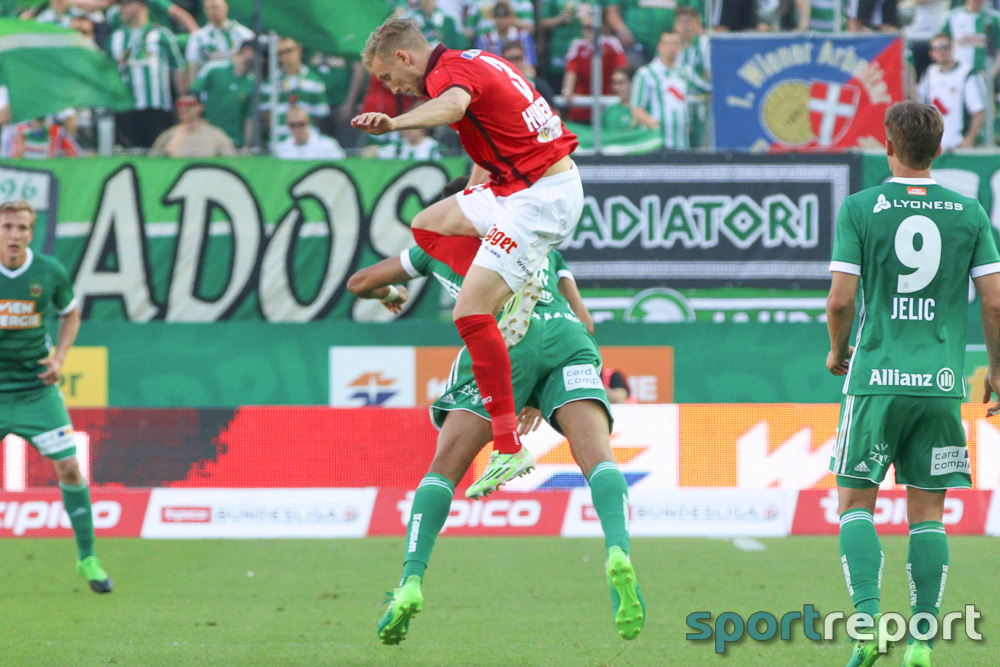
column 585, row 424
column 926, row 568
column 461, row 438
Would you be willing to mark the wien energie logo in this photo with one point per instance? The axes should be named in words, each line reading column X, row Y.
column 19, row 315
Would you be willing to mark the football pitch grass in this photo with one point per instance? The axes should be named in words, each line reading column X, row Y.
column 487, row 601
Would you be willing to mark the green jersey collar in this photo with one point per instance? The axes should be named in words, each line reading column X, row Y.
column 14, row 273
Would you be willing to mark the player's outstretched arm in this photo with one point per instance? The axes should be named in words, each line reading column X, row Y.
column 988, row 287
column 378, row 282
column 569, row 290
column 445, row 109
column 69, row 327
column 839, row 318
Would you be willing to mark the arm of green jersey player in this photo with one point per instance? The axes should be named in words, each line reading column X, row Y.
column 378, row 282
column 988, row 287
column 839, row 318
column 69, row 327
column 569, row 290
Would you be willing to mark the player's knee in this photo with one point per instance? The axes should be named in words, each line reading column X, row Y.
column 69, row 472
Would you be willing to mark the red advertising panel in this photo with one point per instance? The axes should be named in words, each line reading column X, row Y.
column 499, row 514
column 41, row 514
column 965, row 513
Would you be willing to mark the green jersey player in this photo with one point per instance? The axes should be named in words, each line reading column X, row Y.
column 556, row 369
column 31, row 405
column 911, row 246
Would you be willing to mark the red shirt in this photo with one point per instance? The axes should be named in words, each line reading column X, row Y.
column 579, row 59
column 508, row 128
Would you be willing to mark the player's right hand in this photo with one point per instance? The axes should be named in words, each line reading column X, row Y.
column 990, row 384
column 396, row 306
column 374, row 123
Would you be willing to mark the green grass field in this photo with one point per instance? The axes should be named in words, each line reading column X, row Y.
column 521, row 601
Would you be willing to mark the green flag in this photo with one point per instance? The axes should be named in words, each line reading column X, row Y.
column 618, row 142
column 333, row 27
column 47, row 69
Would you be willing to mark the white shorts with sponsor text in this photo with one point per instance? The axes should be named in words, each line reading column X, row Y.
column 520, row 230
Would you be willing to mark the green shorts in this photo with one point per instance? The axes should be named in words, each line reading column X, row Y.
column 921, row 435
column 556, row 363
column 39, row 416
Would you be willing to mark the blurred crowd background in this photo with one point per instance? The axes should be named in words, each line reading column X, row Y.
column 192, row 67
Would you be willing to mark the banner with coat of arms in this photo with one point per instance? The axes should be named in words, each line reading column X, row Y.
column 804, row 92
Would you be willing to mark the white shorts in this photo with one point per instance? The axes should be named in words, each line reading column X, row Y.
column 520, row 230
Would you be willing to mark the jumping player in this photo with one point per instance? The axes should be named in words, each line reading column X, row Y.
column 31, row 405
column 556, row 345
column 523, row 199
column 912, row 245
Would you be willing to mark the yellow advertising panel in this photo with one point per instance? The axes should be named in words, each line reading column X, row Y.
column 85, row 377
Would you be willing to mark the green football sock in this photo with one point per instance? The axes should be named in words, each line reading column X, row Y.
column 431, row 505
column 862, row 558
column 927, row 570
column 609, row 493
column 76, row 500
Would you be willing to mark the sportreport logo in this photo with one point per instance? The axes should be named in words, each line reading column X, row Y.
column 762, row 626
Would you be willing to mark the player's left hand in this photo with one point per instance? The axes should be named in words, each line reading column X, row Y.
column 51, row 373
column 396, row 306
column 374, row 123
column 839, row 366
column 528, row 420
column 988, row 391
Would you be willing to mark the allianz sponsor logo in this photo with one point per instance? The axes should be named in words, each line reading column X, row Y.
column 884, row 204
column 893, row 377
column 740, row 512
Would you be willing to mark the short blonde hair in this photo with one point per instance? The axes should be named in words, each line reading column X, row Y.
column 392, row 35
column 18, row 206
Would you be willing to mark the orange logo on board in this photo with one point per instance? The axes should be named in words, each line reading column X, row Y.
column 914, row 190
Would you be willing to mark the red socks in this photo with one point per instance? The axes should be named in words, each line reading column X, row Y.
column 455, row 251
column 491, row 366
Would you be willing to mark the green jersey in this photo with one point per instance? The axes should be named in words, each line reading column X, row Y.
column 648, row 20
column 552, row 305
column 914, row 245
column 27, row 295
column 146, row 56
column 827, row 16
column 973, row 35
column 159, row 13
column 564, row 33
column 227, row 96
column 617, row 117
column 666, row 93
column 479, row 16
column 306, row 90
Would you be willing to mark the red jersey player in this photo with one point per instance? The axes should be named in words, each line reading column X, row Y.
column 523, row 199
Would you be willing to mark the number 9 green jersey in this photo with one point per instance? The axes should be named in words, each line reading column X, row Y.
column 914, row 244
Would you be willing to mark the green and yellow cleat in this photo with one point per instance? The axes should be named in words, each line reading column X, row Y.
column 501, row 469
column 918, row 654
column 865, row 653
column 627, row 605
column 405, row 603
column 91, row 570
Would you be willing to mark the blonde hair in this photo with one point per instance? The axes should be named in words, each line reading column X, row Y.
column 392, row 35
column 18, row 206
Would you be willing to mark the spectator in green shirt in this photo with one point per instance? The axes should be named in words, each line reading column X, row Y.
column 225, row 87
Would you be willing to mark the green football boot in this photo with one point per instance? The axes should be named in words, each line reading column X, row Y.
column 865, row 653
column 501, row 469
column 406, row 602
column 627, row 605
column 918, row 654
column 91, row 570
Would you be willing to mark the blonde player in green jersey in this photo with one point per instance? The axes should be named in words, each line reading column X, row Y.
column 31, row 406
column 910, row 247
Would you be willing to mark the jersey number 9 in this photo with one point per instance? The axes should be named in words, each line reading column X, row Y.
column 926, row 260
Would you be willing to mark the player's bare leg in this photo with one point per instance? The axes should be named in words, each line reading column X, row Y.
column 585, row 424
column 443, row 232
column 926, row 565
column 76, row 500
column 463, row 435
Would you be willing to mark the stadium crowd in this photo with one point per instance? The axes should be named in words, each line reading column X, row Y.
column 189, row 66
